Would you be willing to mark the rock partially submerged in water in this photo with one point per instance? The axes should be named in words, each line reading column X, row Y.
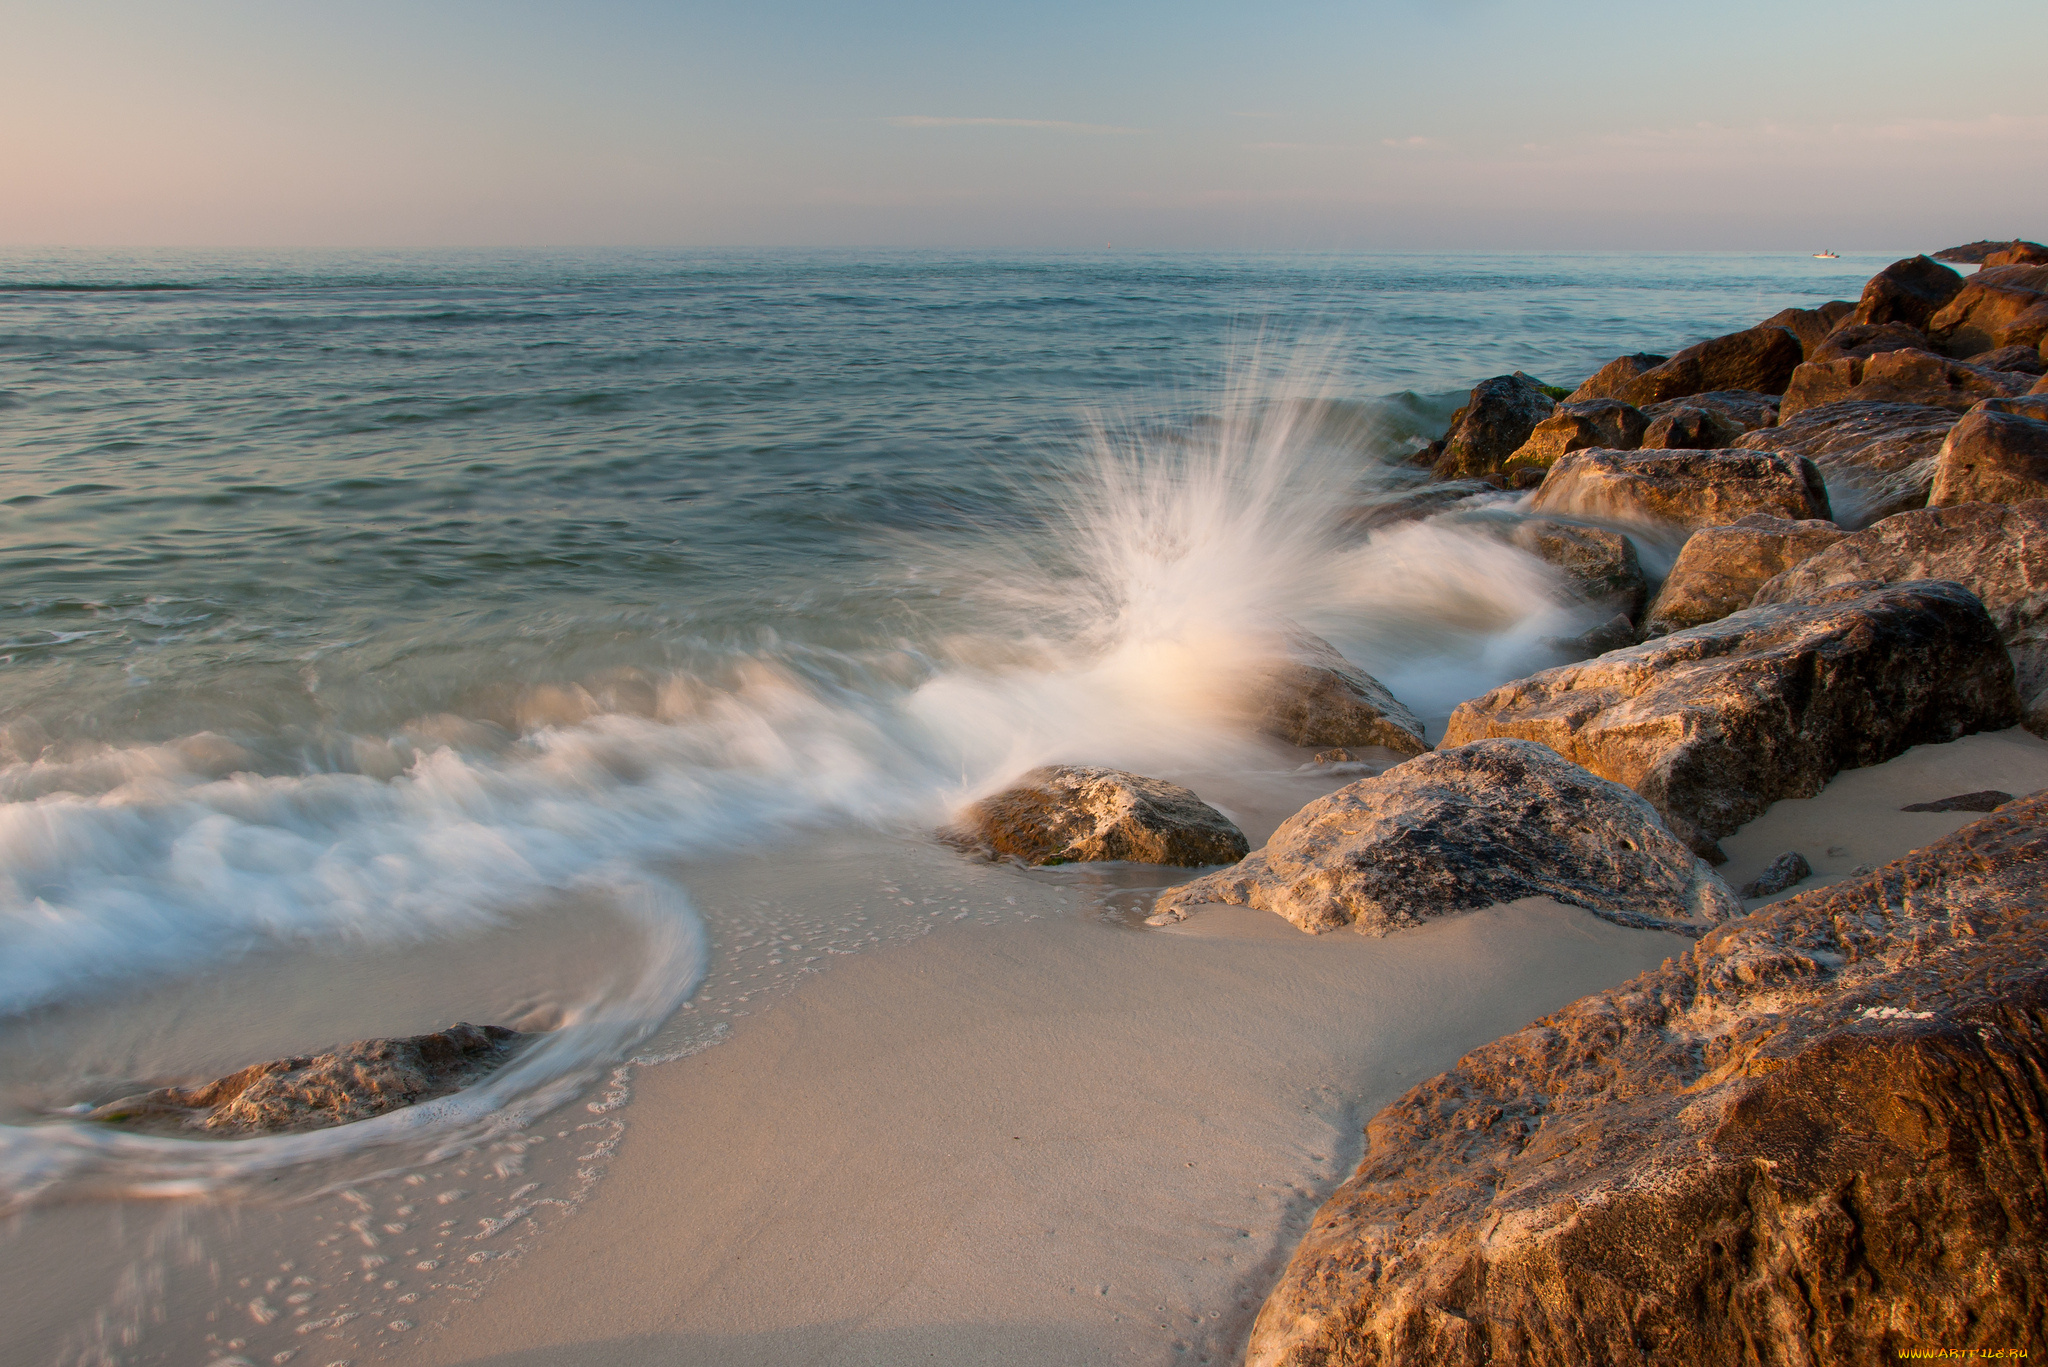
column 1715, row 723
column 1311, row 695
column 1599, row 564
column 1072, row 813
column 1720, row 569
column 1877, row 458
column 1413, row 505
column 355, row 1082
column 1682, row 488
column 1817, row 1137
column 1495, row 421
column 1467, row 828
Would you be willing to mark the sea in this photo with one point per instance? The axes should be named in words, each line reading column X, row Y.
column 590, row 641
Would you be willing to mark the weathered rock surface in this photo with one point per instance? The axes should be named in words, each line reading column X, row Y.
column 1466, row 828
column 1978, row 318
column 1877, row 458
column 1071, row 813
column 1413, row 505
column 2032, row 405
column 1909, row 291
column 1681, row 427
column 1682, row 488
column 1918, row 377
column 1493, row 424
column 1715, row 723
column 1818, row 1137
column 1787, row 869
column 1868, row 339
column 1984, row 249
column 1760, row 359
column 1606, row 382
column 1575, row 425
column 1720, row 569
column 355, row 1082
column 1599, row 564
column 1810, row 326
column 1309, row 694
column 1743, row 408
column 1992, row 457
column 2026, row 360
column 2014, row 275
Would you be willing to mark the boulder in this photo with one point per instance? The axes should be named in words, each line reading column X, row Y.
column 1992, row 457
column 1978, row 317
column 1413, row 505
column 2014, row 276
column 1467, row 828
column 1606, row 382
column 1720, row 569
column 1983, row 800
column 2033, row 404
column 1815, row 1138
column 1574, row 425
column 1877, row 458
column 1868, row 339
column 2026, row 360
column 1909, row 291
column 1681, row 427
column 1071, row 813
column 1599, row 564
column 355, row 1082
column 2029, row 328
column 1760, row 359
column 1979, row 251
column 1744, row 409
column 1494, row 422
column 1309, row 694
column 2019, row 253
column 1897, row 377
column 1715, row 723
column 1681, row 488
column 1811, row 325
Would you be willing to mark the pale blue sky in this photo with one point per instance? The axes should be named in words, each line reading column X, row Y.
column 1292, row 126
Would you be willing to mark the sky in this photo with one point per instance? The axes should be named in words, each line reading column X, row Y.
column 1411, row 125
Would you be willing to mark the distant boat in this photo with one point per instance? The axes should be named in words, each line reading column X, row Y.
column 1827, row 256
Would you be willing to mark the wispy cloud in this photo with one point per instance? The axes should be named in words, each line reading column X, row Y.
column 1046, row 125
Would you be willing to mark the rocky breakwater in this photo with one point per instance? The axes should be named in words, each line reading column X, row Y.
column 354, row 1082
column 1072, row 813
column 1720, row 569
column 1467, row 828
column 1714, row 723
column 1819, row 1136
column 1877, row 458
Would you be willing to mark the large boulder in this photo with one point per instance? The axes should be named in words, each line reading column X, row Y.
column 1599, row 564
column 1760, row 359
column 1720, row 569
column 1909, row 291
column 1877, row 458
column 1607, row 381
column 1466, row 828
column 2019, row 253
column 1715, row 723
column 2026, row 360
column 1309, row 694
column 1815, row 1138
column 1071, row 813
column 1983, row 249
column 1979, row 317
column 1679, row 426
column 1992, row 457
column 1681, row 488
column 1495, row 421
column 1905, row 376
column 1810, row 326
column 1744, row 409
column 355, row 1082
column 1867, row 340
column 1573, row 426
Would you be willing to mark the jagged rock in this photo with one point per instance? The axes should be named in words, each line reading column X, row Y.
column 1309, row 694
column 1681, row 488
column 1986, row 800
column 1466, row 828
column 2025, row 360
column 1877, row 458
column 1599, row 563
column 1978, row 317
column 1992, row 457
column 1787, row 869
column 1494, row 422
column 1606, row 382
column 1983, row 249
column 2018, row 253
column 1715, row 723
column 1720, row 569
column 1681, row 427
column 1909, row 291
column 1810, row 326
column 1760, row 359
column 1573, row 426
column 355, row 1082
column 1867, row 340
column 1071, row 813
column 1815, row 1138
column 2014, row 276
column 1414, row 505
column 1745, row 409
column 1919, row 377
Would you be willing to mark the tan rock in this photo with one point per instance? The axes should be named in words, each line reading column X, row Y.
column 1909, row 291
column 1720, row 569
column 1992, row 457
column 1978, row 317
column 1877, row 458
column 1462, row 829
column 1896, row 377
column 1495, row 421
column 1572, row 426
column 1760, row 359
column 1681, row 488
column 2019, row 254
column 1868, row 339
column 1811, row 325
column 1744, row 409
column 2014, row 275
column 1309, row 694
column 1599, row 564
column 1715, row 723
column 1607, row 381
column 1071, row 813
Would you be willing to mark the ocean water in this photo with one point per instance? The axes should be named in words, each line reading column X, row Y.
column 390, row 604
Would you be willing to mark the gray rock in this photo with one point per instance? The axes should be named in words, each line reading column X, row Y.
column 1787, row 869
column 1720, row 569
column 1987, row 800
column 1414, row 505
column 355, row 1082
column 1071, row 813
column 1815, row 1138
column 1599, row 564
column 1909, row 291
column 1309, row 694
column 1467, row 828
column 1681, row 488
column 1715, row 723
column 1877, row 458
column 1616, row 633
column 1495, row 421
column 1607, row 381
